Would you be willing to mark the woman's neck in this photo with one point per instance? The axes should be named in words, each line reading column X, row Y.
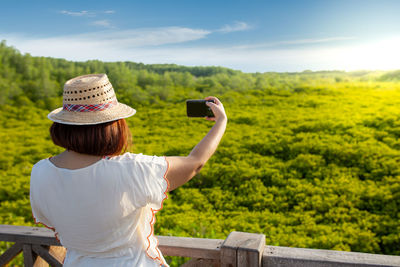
column 73, row 160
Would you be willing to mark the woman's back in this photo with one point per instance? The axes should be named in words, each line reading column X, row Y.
column 103, row 210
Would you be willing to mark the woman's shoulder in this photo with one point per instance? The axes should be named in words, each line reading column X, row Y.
column 137, row 158
column 40, row 170
column 40, row 165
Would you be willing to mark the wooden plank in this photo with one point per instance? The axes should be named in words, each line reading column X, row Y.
column 10, row 253
column 201, row 263
column 44, row 253
column 28, row 235
column 285, row 256
column 28, row 255
column 242, row 250
column 169, row 245
column 58, row 252
column 190, row 247
column 39, row 262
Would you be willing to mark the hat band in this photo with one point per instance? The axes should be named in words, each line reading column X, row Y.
column 88, row 108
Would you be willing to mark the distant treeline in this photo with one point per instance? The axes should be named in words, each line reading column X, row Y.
column 25, row 80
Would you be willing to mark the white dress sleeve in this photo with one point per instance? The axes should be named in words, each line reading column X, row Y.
column 155, row 183
column 38, row 215
column 34, row 197
column 147, row 177
column 149, row 174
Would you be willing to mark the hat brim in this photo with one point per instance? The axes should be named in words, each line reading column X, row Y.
column 119, row 111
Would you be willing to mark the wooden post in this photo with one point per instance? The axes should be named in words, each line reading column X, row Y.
column 242, row 250
column 29, row 258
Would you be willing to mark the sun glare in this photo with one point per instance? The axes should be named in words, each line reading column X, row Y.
column 374, row 55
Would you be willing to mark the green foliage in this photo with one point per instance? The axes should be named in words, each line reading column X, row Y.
column 309, row 159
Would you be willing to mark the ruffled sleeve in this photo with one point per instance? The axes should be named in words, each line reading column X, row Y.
column 38, row 215
column 156, row 191
column 146, row 176
column 155, row 183
column 149, row 173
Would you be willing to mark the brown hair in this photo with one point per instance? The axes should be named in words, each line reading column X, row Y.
column 105, row 139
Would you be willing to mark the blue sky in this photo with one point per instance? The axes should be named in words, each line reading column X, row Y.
column 252, row 36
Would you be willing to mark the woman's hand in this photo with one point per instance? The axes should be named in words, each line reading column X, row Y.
column 217, row 108
column 182, row 169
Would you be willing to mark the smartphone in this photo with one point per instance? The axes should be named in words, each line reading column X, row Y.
column 198, row 108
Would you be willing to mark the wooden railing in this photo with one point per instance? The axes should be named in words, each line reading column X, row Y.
column 40, row 248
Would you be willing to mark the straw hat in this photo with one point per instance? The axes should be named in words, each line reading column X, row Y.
column 90, row 99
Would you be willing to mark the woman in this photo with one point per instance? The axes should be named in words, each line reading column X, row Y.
column 101, row 204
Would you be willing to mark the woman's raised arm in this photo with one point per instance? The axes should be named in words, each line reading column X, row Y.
column 182, row 169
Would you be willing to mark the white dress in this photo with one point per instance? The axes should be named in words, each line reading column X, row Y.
column 104, row 213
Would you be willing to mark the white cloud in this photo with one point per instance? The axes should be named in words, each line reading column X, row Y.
column 76, row 14
column 140, row 37
column 237, row 26
column 103, row 23
column 296, row 42
column 316, row 41
column 152, row 45
column 85, row 13
column 103, row 41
